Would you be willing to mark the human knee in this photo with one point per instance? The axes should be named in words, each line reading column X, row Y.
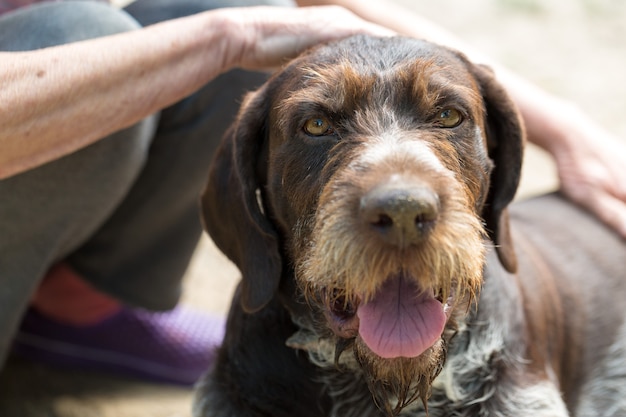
column 49, row 24
column 79, row 192
column 149, row 12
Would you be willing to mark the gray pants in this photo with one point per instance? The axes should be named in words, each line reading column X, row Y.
column 122, row 212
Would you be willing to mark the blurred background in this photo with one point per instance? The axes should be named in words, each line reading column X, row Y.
column 575, row 49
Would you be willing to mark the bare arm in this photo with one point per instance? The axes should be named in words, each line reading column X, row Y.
column 590, row 160
column 57, row 100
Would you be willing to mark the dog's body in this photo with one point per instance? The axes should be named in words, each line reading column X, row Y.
column 359, row 193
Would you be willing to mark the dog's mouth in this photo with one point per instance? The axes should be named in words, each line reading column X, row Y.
column 399, row 320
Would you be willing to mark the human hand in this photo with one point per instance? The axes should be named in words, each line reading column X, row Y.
column 592, row 172
column 265, row 37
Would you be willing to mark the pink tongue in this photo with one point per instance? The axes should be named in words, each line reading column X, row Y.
column 399, row 321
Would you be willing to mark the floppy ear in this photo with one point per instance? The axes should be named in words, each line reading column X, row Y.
column 230, row 209
column 505, row 141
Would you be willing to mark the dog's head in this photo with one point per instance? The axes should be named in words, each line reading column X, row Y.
column 373, row 170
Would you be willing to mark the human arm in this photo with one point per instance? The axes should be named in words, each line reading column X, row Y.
column 590, row 160
column 57, row 100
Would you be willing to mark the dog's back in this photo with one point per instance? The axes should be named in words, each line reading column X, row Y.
column 572, row 273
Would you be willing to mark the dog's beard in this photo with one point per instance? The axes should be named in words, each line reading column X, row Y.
column 334, row 255
column 339, row 265
column 397, row 383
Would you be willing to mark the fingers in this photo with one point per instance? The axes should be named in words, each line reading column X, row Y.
column 608, row 208
column 276, row 33
column 613, row 212
column 336, row 22
column 591, row 172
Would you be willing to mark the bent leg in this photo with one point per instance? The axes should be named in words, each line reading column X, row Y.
column 143, row 224
column 48, row 212
column 144, row 249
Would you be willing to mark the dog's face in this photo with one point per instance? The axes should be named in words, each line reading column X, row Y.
column 375, row 162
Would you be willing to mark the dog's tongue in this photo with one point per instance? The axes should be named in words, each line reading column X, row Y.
column 401, row 321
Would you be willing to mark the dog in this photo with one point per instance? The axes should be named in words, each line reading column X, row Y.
column 364, row 193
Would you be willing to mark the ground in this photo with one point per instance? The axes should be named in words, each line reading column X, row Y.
column 573, row 48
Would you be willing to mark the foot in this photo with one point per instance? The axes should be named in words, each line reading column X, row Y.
column 72, row 324
column 172, row 347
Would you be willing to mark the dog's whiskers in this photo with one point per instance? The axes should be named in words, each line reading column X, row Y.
column 341, row 346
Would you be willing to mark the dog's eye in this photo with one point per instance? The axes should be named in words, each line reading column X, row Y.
column 449, row 118
column 318, row 126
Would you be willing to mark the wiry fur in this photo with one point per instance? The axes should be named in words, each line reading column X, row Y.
column 533, row 322
column 448, row 263
column 333, row 260
column 606, row 390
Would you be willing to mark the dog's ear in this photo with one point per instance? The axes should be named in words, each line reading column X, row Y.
column 505, row 141
column 230, row 208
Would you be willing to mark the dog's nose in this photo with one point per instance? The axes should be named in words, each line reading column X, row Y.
column 401, row 215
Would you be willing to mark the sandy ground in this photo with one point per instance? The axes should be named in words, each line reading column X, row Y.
column 573, row 48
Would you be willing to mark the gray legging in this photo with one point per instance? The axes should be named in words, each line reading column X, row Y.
column 122, row 212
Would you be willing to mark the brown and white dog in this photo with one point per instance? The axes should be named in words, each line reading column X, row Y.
column 363, row 194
